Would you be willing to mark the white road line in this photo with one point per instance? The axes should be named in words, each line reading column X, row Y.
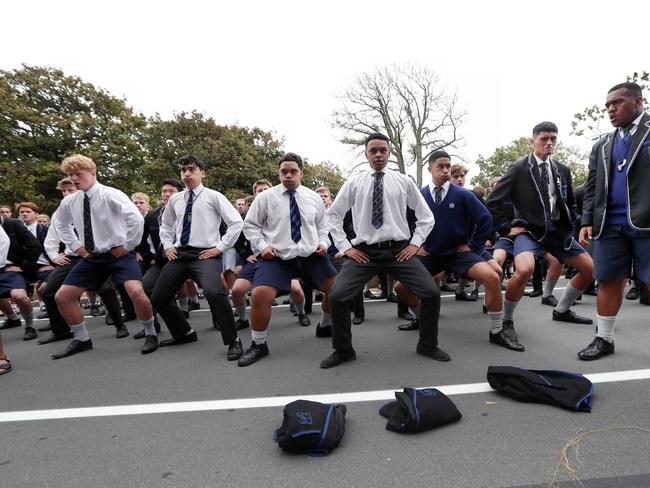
column 234, row 404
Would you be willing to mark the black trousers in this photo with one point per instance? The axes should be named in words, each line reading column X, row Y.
column 356, row 304
column 54, row 281
column 207, row 272
column 411, row 273
column 111, row 303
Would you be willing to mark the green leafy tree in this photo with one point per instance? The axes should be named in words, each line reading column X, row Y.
column 45, row 116
column 497, row 164
column 592, row 122
column 323, row 174
column 235, row 157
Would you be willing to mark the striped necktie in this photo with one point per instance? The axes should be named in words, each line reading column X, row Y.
column 187, row 219
column 544, row 191
column 437, row 195
column 294, row 213
column 378, row 200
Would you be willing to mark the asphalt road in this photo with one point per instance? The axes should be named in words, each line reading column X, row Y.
column 498, row 443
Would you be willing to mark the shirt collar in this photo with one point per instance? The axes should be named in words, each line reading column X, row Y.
column 445, row 186
column 286, row 190
column 92, row 190
column 372, row 171
column 196, row 189
column 539, row 161
column 632, row 127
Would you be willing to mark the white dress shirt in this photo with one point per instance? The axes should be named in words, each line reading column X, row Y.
column 632, row 127
column 268, row 222
column 4, row 247
column 42, row 259
column 209, row 208
column 52, row 240
column 445, row 190
column 546, row 166
column 399, row 193
column 116, row 221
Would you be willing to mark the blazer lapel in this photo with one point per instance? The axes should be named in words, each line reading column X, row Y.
column 607, row 152
column 640, row 136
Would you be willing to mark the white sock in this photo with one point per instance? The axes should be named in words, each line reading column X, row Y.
column 509, row 309
column 13, row 315
column 495, row 320
column 568, row 297
column 194, row 299
column 183, row 303
column 300, row 308
column 259, row 336
column 80, row 332
column 606, row 327
column 149, row 328
column 548, row 287
column 325, row 319
column 416, row 311
column 462, row 283
column 243, row 312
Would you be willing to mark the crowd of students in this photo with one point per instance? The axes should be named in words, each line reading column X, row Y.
column 290, row 239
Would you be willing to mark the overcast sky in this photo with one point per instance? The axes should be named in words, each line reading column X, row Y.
column 279, row 65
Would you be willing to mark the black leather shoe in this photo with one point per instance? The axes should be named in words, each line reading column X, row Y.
column 10, row 324
column 534, row 293
column 44, row 328
column 121, row 331
column 413, row 325
column 591, row 291
column 73, row 348
column 598, row 348
column 235, row 350
column 318, row 297
column 253, row 353
column 474, row 295
column 56, row 338
column 175, row 342
column 303, row 319
column 570, row 316
column 633, row 294
column 549, row 300
column 406, row 316
column 30, row 333
column 193, row 306
column 242, row 324
column 139, row 335
column 325, row 331
column 369, row 295
column 436, row 354
column 464, row 297
column 42, row 314
column 392, row 297
column 109, row 320
column 293, row 309
column 356, row 320
column 338, row 357
column 150, row 344
column 509, row 329
column 502, row 339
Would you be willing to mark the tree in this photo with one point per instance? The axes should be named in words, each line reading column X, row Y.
column 590, row 122
column 408, row 105
column 497, row 164
column 323, row 174
column 235, row 157
column 45, row 116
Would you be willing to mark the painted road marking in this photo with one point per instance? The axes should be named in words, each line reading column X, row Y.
column 234, row 404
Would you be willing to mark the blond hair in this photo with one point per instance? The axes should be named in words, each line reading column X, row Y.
column 458, row 168
column 62, row 183
column 77, row 162
column 141, row 196
column 324, row 189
